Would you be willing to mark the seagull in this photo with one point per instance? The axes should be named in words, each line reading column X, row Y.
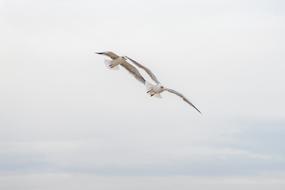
column 155, row 90
column 121, row 60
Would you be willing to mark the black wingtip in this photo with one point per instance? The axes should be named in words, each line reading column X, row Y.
column 197, row 110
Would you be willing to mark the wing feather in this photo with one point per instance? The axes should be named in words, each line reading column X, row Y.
column 148, row 71
column 183, row 97
column 133, row 71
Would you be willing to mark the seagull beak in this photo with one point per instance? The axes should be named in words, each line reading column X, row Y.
column 100, row 53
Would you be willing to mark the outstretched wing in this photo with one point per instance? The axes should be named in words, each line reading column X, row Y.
column 133, row 71
column 183, row 97
column 149, row 72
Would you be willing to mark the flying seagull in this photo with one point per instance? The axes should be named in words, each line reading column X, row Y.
column 155, row 90
column 119, row 60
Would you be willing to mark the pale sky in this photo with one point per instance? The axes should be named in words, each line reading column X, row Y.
column 68, row 122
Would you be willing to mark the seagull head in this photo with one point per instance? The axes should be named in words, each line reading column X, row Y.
column 160, row 87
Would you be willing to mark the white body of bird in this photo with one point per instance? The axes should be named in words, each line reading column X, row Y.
column 154, row 90
column 114, row 64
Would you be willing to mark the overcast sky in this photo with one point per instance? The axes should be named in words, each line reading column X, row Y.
column 68, row 122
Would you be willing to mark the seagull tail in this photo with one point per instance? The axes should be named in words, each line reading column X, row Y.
column 108, row 64
column 148, row 86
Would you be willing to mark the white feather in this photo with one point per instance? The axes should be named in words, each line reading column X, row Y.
column 157, row 96
column 149, row 86
column 109, row 63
